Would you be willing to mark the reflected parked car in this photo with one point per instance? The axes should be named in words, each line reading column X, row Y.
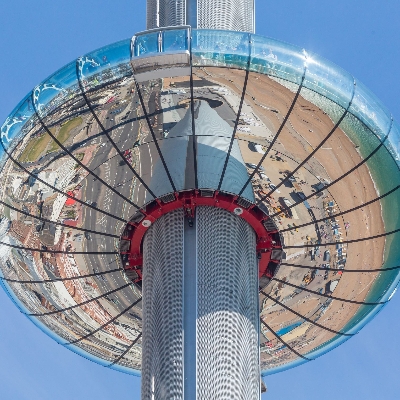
column 254, row 166
column 273, row 187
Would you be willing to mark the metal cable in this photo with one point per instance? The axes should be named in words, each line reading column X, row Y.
column 343, row 270
column 345, row 241
column 56, row 251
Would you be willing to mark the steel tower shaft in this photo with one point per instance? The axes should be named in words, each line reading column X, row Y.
column 200, row 308
column 237, row 15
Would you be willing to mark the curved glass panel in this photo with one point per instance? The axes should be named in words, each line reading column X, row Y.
column 282, row 60
column 324, row 177
column 18, row 124
column 175, row 40
column 55, row 90
column 393, row 142
column 147, row 44
column 220, row 48
column 329, row 80
column 108, row 64
column 371, row 111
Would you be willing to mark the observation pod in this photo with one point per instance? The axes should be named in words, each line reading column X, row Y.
column 186, row 179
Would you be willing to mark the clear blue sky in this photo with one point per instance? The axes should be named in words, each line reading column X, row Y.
column 38, row 37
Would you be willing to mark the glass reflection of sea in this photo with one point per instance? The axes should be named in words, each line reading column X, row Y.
column 97, row 97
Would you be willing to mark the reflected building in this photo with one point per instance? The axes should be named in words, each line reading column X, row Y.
column 200, row 207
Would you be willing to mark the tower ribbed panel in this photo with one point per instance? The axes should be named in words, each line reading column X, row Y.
column 236, row 15
column 170, row 13
column 152, row 14
column 227, row 320
column 162, row 363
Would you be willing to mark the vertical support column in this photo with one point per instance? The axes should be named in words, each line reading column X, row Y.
column 158, row 13
column 200, row 308
column 228, row 360
column 190, row 310
column 191, row 13
column 162, row 343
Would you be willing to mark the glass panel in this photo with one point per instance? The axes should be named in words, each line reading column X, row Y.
column 393, row 142
column 333, row 110
column 220, row 48
column 66, row 176
column 277, row 70
column 175, row 40
column 21, row 121
column 277, row 59
column 52, row 169
column 312, row 118
column 115, row 337
column 291, row 328
column 118, row 335
column 329, row 80
column 367, row 107
column 56, row 90
column 105, row 65
column 147, row 44
column 217, row 96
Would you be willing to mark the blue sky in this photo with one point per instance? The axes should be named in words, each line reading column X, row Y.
column 38, row 37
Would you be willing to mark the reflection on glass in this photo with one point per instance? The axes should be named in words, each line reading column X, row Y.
column 107, row 64
column 220, row 48
column 393, row 143
column 175, row 40
column 147, row 44
column 329, row 80
column 18, row 124
column 278, row 59
column 54, row 91
column 371, row 111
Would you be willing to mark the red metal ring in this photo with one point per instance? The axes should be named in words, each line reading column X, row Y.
column 267, row 240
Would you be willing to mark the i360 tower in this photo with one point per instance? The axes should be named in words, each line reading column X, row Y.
column 201, row 341
column 200, row 205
